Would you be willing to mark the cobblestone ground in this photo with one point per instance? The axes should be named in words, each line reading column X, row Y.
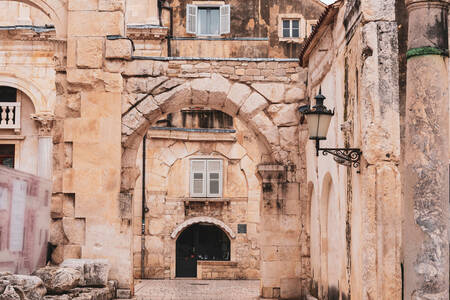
column 197, row 289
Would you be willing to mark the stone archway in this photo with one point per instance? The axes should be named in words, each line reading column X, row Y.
column 56, row 10
column 208, row 220
column 32, row 90
column 170, row 95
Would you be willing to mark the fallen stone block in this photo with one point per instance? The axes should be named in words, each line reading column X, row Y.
column 94, row 272
column 58, row 280
column 27, row 286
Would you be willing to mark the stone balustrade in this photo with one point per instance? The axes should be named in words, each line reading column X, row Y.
column 10, row 115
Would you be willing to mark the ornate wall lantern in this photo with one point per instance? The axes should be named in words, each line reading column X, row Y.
column 319, row 118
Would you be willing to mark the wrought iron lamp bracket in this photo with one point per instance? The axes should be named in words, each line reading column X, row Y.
column 343, row 156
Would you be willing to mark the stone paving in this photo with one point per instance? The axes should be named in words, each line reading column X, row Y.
column 191, row 289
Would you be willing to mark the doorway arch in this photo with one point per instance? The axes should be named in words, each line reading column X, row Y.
column 200, row 241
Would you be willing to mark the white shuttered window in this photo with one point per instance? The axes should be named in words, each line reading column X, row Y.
column 191, row 18
column 206, row 178
column 208, row 20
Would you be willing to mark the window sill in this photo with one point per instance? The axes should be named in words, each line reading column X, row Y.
column 291, row 40
column 194, row 135
column 195, row 199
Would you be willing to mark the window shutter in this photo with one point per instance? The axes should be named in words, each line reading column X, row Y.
column 214, row 185
column 198, row 178
column 225, row 19
column 191, row 18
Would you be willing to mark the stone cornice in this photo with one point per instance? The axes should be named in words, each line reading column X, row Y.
column 146, row 32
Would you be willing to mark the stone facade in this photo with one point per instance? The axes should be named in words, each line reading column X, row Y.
column 104, row 76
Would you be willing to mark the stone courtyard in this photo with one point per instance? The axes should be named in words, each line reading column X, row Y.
column 196, row 149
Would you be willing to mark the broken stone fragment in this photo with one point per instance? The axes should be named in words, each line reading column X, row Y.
column 26, row 287
column 9, row 294
column 94, row 272
column 58, row 280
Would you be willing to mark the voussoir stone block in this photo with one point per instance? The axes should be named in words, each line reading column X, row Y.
column 94, row 272
column 274, row 92
column 254, row 104
column 238, row 94
column 58, row 280
column 284, row 114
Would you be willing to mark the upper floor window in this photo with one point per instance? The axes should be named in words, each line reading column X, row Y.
column 206, row 178
column 291, row 28
column 7, row 155
column 208, row 20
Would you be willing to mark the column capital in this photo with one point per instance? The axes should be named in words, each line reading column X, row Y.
column 418, row 4
column 45, row 121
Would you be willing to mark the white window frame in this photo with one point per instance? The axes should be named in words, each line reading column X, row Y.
column 290, row 18
column 206, row 178
column 193, row 16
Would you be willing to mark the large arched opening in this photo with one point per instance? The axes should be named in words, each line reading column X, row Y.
column 201, row 241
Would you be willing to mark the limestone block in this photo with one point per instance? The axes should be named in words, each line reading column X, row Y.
column 89, row 77
column 120, row 48
column 10, row 294
column 284, row 114
column 149, row 109
column 261, row 123
column 294, row 95
column 274, row 92
column 253, row 105
column 83, row 4
column 175, row 99
column 139, row 68
column 114, row 66
column 90, row 53
column 94, row 272
column 168, row 85
column 179, row 150
column 28, row 287
column 200, row 90
column 57, row 236
column 238, row 94
column 56, row 206
column 289, row 138
column 58, row 280
column 86, row 23
column 72, row 251
column 113, row 82
column 218, row 91
column 375, row 10
column 58, row 254
column 111, row 5
column 290, row 288
column 74, row 229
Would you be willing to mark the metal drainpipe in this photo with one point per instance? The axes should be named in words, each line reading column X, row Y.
column 169, row 38
column 144, row 210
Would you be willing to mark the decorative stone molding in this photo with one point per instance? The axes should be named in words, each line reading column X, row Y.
column 272, row 172
column 45, row 121
column 146, row 32
column 197, row 220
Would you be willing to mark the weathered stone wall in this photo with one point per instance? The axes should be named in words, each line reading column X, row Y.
column 265, row 96
column 169, row 202
column 357, row 212
column 248, row 19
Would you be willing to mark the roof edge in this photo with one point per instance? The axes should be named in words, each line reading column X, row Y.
column 312, row 39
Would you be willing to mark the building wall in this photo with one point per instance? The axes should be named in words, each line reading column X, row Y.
column 170, row 204
column 356, row 211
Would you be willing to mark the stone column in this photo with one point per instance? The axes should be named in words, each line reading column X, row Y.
column 45, row 144
column 426, row 180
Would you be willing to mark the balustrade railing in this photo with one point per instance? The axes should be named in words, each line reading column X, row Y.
column 10, row 115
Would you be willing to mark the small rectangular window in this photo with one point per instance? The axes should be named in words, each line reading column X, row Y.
column 291, row 28
column 206, row 178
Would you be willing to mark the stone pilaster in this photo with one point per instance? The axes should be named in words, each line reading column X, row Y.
column 426, row 189
column 45, row 144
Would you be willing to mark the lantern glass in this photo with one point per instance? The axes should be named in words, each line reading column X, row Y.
column 318, row 124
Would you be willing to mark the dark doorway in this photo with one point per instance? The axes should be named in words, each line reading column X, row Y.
column 200, row 242
column 7, row 155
